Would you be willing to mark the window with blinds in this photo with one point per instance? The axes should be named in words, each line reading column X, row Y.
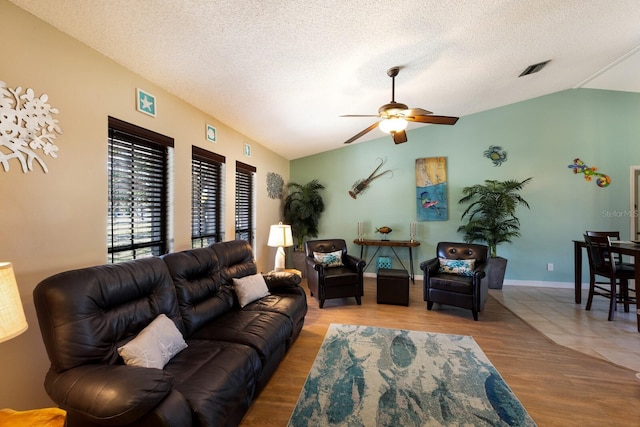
column 206, row 197
column 244, row 202
column 138, row 172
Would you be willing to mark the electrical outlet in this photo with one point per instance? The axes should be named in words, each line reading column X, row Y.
column 549, row 267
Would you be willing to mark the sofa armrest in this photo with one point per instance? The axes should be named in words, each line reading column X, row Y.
column 430, row 266
column 353, row 262
column 108, row 394
column 281, row 279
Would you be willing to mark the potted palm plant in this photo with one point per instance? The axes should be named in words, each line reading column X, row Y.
column 491, row 219
column 303, row 207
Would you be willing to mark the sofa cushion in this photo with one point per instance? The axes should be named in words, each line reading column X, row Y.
column 250, row 288
column 236, row 260
column 452, row 283
column 201, row 296
column 218, row 379
column 155, row 345
column 340, row 276
column 265, row 332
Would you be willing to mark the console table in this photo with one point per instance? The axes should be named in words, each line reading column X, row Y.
column 392, row 244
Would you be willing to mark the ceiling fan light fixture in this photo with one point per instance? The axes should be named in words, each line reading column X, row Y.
column 394, row 124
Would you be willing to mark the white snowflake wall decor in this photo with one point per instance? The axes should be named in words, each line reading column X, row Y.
column 26, row 127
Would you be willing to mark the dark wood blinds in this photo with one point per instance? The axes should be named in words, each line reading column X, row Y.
column 137, row 188
column 244, row 201
column 206, row 198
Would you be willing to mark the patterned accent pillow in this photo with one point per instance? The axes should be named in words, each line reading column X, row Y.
column 461, row 267
column 330, row 259
column 155, row 345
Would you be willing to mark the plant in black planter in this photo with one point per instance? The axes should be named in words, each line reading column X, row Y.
column 303, row 207
column 491, row 219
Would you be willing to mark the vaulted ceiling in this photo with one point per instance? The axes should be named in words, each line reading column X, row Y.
column 281, row 72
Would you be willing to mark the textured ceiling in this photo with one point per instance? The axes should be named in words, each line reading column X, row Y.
column 282, row 72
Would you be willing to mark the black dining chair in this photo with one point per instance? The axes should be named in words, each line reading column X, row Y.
column 612, row 235
column 602, row 262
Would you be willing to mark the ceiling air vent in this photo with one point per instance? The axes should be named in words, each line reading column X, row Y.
column 534, row 68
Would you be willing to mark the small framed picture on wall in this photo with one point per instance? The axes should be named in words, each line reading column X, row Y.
column 145, row 102
column 247, row 150
column 210, row 133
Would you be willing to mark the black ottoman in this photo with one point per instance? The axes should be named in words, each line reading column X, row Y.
column 393, row 286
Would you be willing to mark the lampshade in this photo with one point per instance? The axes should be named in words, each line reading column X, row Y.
column 280, row 236
column 394, row 124
column 12, row 319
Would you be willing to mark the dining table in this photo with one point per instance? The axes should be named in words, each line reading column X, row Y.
column 617, row 246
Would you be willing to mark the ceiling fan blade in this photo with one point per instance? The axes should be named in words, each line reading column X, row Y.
column 358, row 135
column 417, row 112
column 399, row 137
column 438, row 120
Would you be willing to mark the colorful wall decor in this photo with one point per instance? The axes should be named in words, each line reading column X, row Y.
column 431, row 189
column 496, row 154
column 578, row 166
column 26, row 125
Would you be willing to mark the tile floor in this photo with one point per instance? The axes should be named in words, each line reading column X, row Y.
column 552, row 311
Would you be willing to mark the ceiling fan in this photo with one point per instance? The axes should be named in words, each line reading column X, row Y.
column 394, row 116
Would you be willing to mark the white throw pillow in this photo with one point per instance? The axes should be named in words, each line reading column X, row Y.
column 250, row 288
column 155, row 345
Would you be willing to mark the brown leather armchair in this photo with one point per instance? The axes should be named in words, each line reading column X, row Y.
column 460, row 287
column 325, row 281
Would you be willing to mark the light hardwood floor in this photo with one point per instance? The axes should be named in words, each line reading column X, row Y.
column 557, row 385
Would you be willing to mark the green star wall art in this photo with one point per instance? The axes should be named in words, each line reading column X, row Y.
column 145, row 102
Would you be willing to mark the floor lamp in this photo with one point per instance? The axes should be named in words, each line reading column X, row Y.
column 280, row 237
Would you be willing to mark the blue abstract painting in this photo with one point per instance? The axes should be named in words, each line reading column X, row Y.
column 431, row 189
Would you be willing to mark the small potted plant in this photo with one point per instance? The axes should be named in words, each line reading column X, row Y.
column 491, row 219
column 303, row 207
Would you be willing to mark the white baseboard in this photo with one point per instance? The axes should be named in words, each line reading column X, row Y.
column 542, row 284
column 532, row 283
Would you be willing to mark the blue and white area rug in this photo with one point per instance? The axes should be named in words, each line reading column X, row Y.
column 366, row 376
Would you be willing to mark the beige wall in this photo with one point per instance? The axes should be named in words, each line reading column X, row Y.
column 56, row 221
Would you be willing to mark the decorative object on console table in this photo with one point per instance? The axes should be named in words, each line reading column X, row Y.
column 12, row 319
column 384, row 230
column 280, row 237
column 360, row 230
column 412, row 232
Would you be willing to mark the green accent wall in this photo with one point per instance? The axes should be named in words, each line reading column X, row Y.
column 542, row 137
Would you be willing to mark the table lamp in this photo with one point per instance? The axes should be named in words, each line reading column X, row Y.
column 12, row 319
column 280, row 237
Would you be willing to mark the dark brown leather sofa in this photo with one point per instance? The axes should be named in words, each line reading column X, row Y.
column 85, row 315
